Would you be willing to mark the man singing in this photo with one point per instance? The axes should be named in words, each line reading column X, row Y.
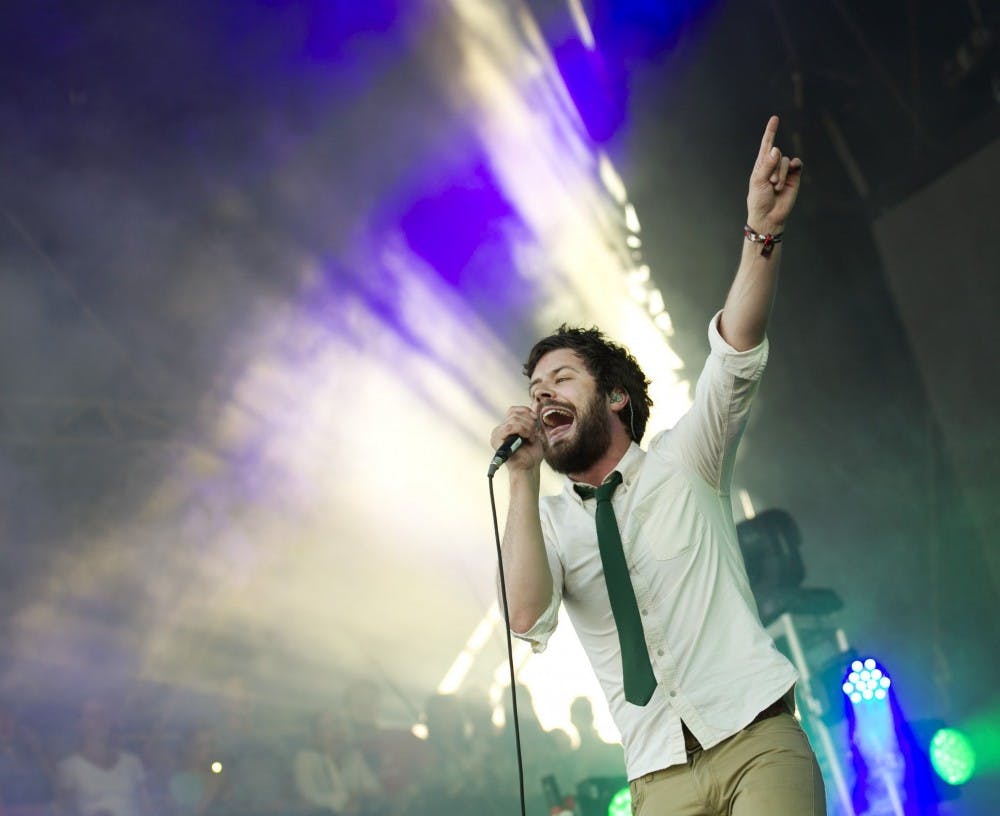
column 642, row 548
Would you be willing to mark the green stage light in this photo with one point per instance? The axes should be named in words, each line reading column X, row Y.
column 952, row 756
column 621, row 803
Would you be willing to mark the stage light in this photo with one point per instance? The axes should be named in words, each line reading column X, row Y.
column 883, row 770
column 621, row 803
column 640, row 274
column 906, row 764
column 952, row 756
column 582, row 24
column 865, row 682
column 603, row 796
column 216, row 767
column 663, row 322
column 609, row 176
column 770, row 543
column 656, row 304
column 631, row 218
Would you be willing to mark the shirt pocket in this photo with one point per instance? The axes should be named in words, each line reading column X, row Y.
column 668, row 521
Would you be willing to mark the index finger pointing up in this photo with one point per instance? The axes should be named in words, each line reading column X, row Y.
column 767, row 142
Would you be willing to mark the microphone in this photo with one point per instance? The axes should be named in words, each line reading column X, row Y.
column 504, row 452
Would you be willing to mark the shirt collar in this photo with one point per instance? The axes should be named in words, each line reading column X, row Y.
column 628, row 466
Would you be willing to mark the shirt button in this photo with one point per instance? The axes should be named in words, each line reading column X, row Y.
column 660, row 652
column 645, row 611
column 673, row 693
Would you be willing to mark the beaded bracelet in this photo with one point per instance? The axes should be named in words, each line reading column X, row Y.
column 767, row 241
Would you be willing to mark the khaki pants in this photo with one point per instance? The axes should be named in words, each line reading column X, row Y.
column 768, row 769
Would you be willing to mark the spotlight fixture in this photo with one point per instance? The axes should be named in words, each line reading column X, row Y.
column 866, row 682
column 770, row 543
column 621, row 803
column 603, row 796
column 952, row 756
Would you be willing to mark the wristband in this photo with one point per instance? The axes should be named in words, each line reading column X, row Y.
column 767, row 241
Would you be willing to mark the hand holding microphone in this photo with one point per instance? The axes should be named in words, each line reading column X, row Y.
column 507, row 449
column 517, row 431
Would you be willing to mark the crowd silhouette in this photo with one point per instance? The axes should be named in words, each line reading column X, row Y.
column 235, row 756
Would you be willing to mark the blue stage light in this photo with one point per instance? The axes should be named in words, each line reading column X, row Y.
column 866, row 681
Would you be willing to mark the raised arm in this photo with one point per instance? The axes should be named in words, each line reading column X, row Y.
column 526, row 568
column 774, row 186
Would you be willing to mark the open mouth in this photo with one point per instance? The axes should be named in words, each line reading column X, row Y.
column 556, row 421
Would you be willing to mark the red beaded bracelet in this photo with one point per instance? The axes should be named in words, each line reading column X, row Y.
column 767, row 241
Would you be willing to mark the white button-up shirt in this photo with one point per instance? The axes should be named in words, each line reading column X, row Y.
column 716, row 666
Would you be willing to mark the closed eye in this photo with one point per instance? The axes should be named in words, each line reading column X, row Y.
column 557, row 380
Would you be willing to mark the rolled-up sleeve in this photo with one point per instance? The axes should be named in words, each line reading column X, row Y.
column 747, row 365
column 707, row 436
column 538, row 635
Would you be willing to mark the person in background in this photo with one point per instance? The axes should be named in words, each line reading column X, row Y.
column 198, row 786
column 398, row 758
column 26, row 775
column 100, row 779
column 332, row 776
column 255, row 755
column 593, row 756
column 454, row 780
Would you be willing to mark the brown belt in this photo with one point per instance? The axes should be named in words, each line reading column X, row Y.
column 780, row 706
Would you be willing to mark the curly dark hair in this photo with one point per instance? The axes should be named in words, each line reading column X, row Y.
column 612, row 365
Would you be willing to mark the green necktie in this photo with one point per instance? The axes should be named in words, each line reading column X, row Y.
column 637, row 673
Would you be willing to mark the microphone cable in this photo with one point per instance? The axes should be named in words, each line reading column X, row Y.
column 510, row 645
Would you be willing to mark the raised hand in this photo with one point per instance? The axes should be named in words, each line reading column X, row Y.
column 774, row 184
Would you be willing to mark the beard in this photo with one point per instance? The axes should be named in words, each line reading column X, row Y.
column 589, row 442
